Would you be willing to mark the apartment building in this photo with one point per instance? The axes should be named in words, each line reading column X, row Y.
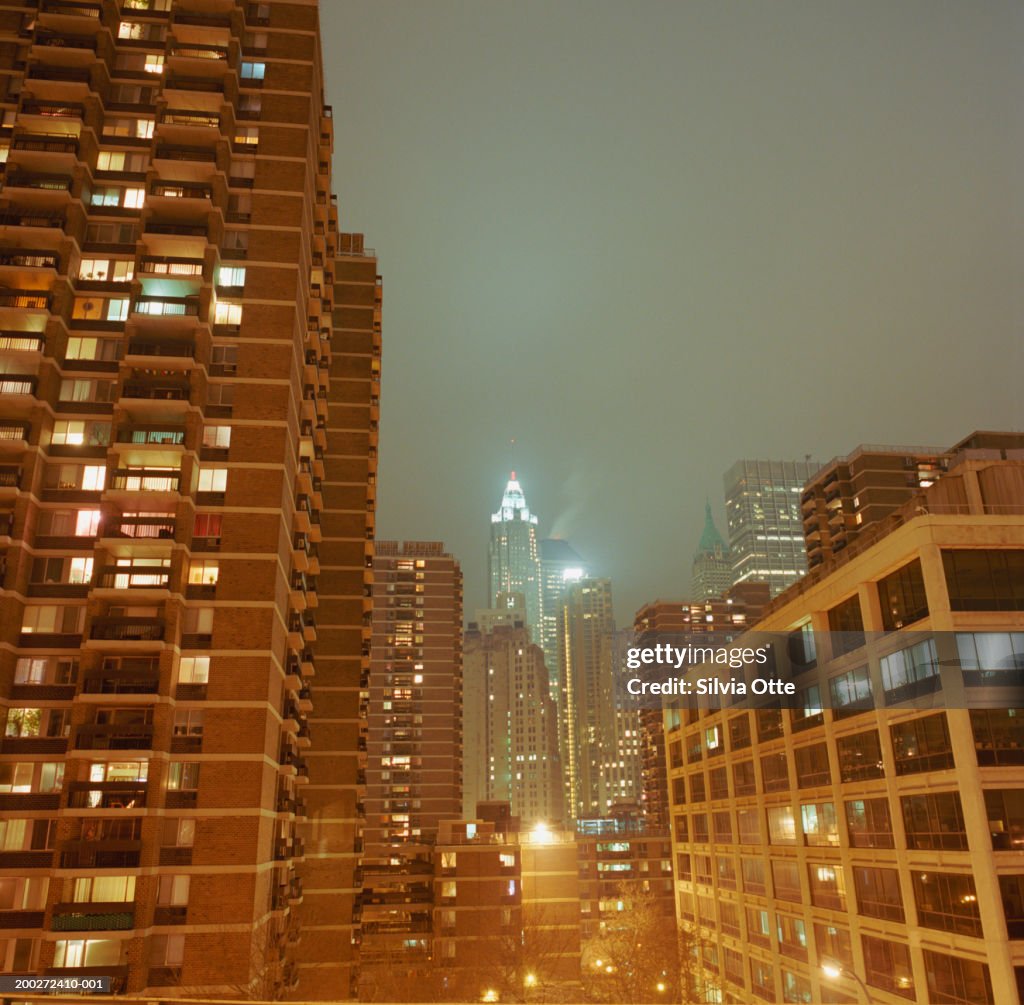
column 865, row 842
column 179, row 441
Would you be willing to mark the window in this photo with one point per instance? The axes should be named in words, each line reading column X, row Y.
column 902, row 597
column 725, row 869
column 1011, row 890
column 786, row 880
column 86, row 390
column 217, row 437
column 878, row 893
column 910, row 672
column 744, row 780
column 699, row 827
column 753, row 876
column 719, row 780
column 207, row 525
column 203, row 572
column 769, row 723
column 860, row 757
column 820, row 825
column 851, row 690
column 230, row 276
column 183, row 776
column 775, row 772
column 31, row 776
column 50, row 619
column 697, row 789
column 947, row 901
column 781, row 825
column 792, row 936
column 922, row 745
column 739, row 731
column 762, row 980
column 833, row 943
column 88, row 952
column 748, row 826
column 991, row 658
column 796, row 988
column 247, row 136
column 1005, row 809
column 224, row 360
column 721, row 826
column 985, row 580
column 167, row 950
column 103, row 889
column 807, row 711
column 955, row 981
column 253, row 71
column 194, row 670
column 868, row 823
column 758, row 928
column 227, row 313
column 828, row 886
column 118, row 270
column 846, row 624
column 887, row 966
column 998, row 735
column 812, row 766
column 803, row 649
column 188, row 722
column 213, row 479
column 935, row 821
column 172, row 891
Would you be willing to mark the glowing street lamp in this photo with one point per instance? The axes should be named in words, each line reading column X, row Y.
column 833, row 971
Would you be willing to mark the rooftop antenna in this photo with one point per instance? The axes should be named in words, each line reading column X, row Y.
column 512, row 456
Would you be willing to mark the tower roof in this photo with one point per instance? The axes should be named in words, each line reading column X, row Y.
column 710, row 540
column 513, row 504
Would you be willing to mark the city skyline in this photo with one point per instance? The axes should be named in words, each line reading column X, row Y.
column 647, row 246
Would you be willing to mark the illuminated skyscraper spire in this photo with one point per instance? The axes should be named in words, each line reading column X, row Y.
column 513, row 559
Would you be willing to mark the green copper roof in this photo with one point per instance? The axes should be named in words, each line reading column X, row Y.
column 710, row 540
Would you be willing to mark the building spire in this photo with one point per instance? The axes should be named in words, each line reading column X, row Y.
column 513, row 504
column 710, row 540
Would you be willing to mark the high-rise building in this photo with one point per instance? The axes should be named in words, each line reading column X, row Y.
column 511, row 724
column 860, row 845
column 600, row 738
column 711, row 570
column 852, row 492
column 560, row 565
column 175, row 452
column 414, row 745
column 762, row 503
column 513, row 558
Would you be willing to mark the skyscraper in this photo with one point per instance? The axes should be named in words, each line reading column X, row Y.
column 513, row 558
column 762, row 503
column 414, row 745
column 712, row 567
column 175, row 452
column 600, row 737
column 560, row 566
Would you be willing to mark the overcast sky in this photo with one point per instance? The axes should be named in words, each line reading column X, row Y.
column 648, row 239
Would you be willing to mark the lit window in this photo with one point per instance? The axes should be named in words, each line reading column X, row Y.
column 80, row 571
column 154, row 62
column 87, row 523
column 117, row 310
column 67, row 433
column 227, row 313
column 213, row 479
column 217, row 437
column 194, row 670
column 94, row 477
column 134, row 197
column 231, row 276
column 203, row 573
column 253, row 71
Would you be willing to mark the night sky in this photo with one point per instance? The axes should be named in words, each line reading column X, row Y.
column 648, row 239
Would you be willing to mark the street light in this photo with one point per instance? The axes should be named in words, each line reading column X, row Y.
column 530, row 980
column 833, row 971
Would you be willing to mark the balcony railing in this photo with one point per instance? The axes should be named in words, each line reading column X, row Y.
column 177, row 350
column 102, row 736
column 30, row 259
column 181, row 190
column 156, row 392
column 20, row 342
column 163, row 436
column 134, row 577
column 128, row 629
column 92, row 917
column 178, row 267
column 107, row 795
column 128, row 480
column 190, row 117
column 141, row 527
column 14, row 431
column 24, row 299
column 167, row 306
column 123, row 681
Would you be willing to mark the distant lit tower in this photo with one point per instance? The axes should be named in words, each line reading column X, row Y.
column 712, row 567
column 513, row 559
column 560, row 566
column 762, row 503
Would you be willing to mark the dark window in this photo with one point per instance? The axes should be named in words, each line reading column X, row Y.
column 868, row 823
column 922, row 745
column 719, row 779
column 955, row 981
column 887, row 966
column 744, row 781
column 739, row 731
column 860, row 757
column 808, row 712
column 721, row 826
column 803, row 650
column 769, row 723
column 693, row 748
column 1011, row 888
column 878, row 893
column 753, row 876
column 796, row 989
column 847, row 626
column 702, row 869
column 786, row 880
column 726, row 869
column 902, row 597
column 1005, row 808
column 762, row 980
column 684, row 867
column 998, row 735
column 682, row 832
column 675, row 750
column 775, row 772
column 697, row 789
column 732, row 961
column 678, row 791
column 749, row 827
column 947, row 901
column 980, row 580
column 729, row 918
column 812, row 766
column 934, row 821
column 758, row 931
column 833, row 943
column 699, row 823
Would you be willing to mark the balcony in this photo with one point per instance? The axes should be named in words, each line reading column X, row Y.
column 30, row 260
column 25, row 300
column 50, row 110
column 157, row 390
column 92, row 917
column 170, row 355
column 123, row 680
column 107, row 795
column 128, row 629
column 104, row 854
column 32, row 745
column 62, row 40
column 21, row 919
column 134, row 577
column 165, row 307
column 184, row 194
column 140, row 528
column 114, row 736
column 145, row 480
column 72, row 8
column 14, row 435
